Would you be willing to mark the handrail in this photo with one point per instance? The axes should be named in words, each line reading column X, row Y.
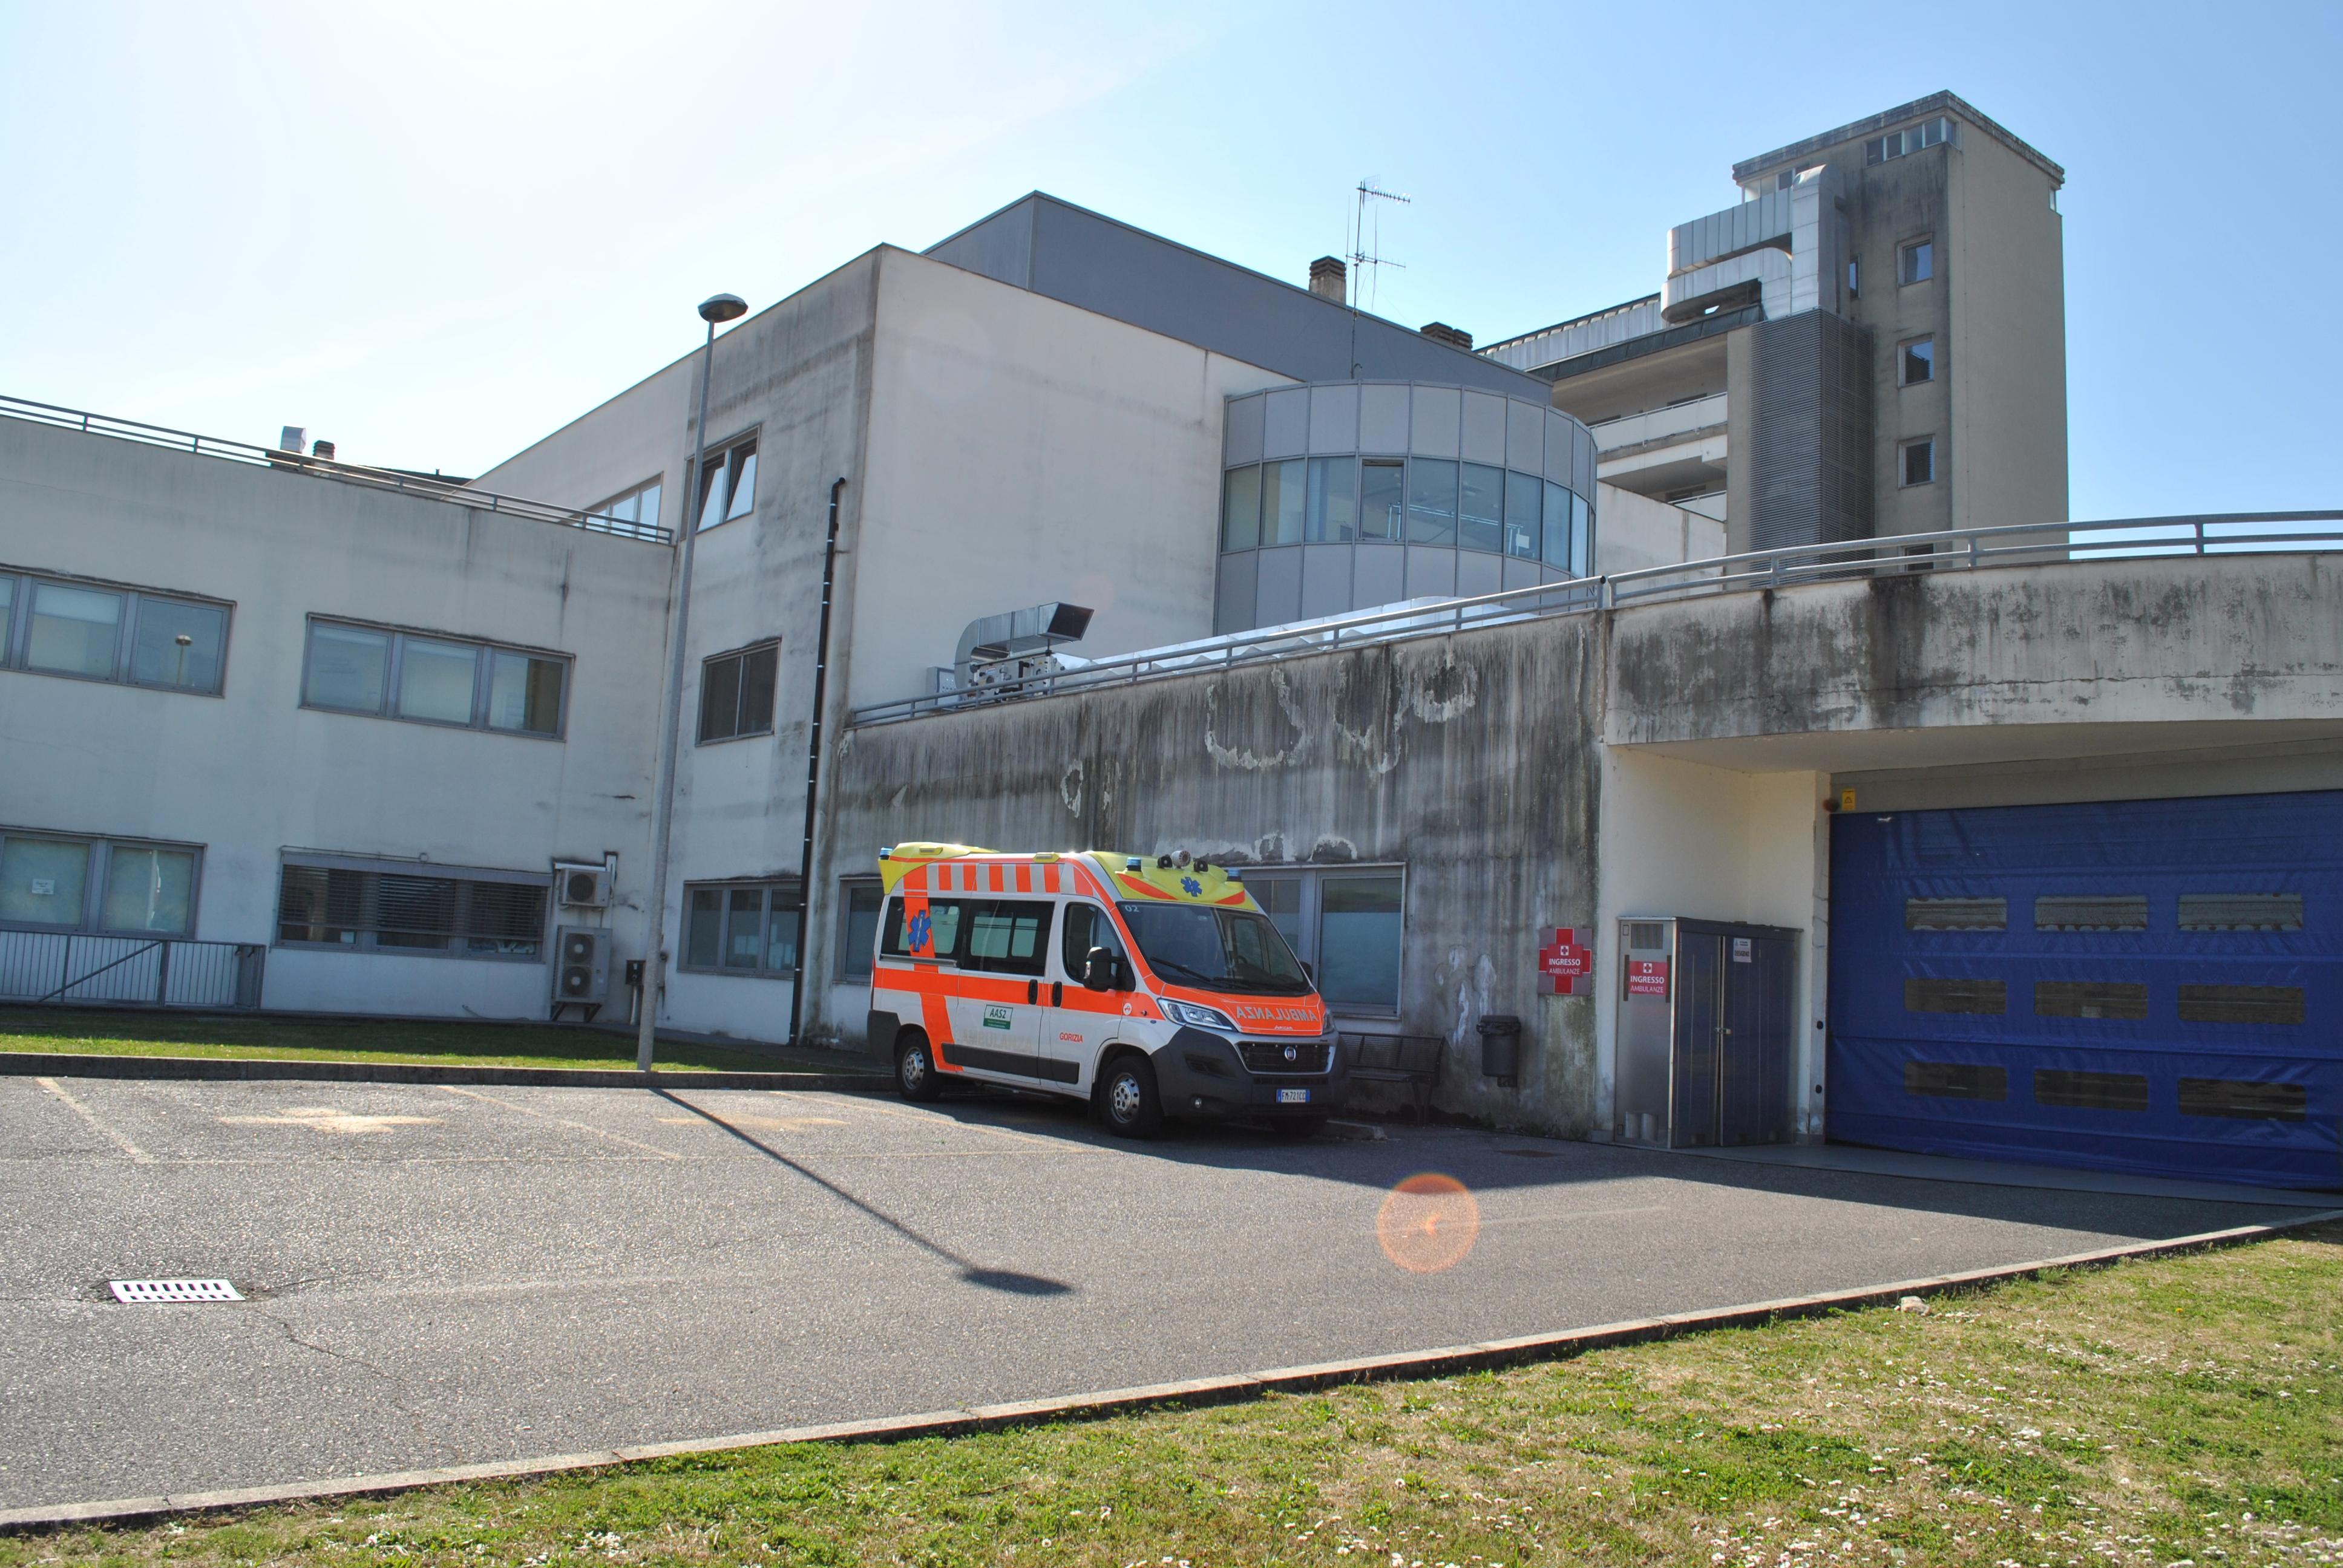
column 419, row 485
column 1750, row 571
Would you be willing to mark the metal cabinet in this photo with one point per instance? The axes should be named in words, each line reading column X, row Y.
column 1704, row 1032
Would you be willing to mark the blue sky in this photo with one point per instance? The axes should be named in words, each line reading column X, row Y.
column 433, row 232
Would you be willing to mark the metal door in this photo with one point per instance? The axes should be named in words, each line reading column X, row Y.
column 1752, row 1098
column 1700, row 1035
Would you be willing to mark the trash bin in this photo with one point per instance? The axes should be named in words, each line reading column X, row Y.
column 1501, row 1047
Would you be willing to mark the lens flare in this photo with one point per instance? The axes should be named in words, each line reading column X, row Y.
column 1428, row 1224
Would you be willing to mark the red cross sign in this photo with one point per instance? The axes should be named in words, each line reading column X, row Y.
column 1566, row 964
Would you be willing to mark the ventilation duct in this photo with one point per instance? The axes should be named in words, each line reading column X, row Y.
column 1007, row 650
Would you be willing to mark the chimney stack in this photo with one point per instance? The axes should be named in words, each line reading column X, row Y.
column 1327, row 278
column 1441, row 332
column 322, row 449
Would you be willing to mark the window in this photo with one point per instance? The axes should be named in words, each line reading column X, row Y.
column 2091, row 912
column 64, row 882
column 1928, row 994
column 1910, row 139
column 1379, row 506
column 1333, row 510
column 1431, row 502
column 1003, row 936
column 1915, row 362
column 433, row 680
column 1283, row 492
column 2241, row 1004
column 1920, row 461
column 127, row 636
column 639, row 506
column 857, row 926
column 2090, row 998
column 1480, row 509
column 1956, row 1081
column 741, row 928
column 735, row 693
column 1956, row 914
column 727, row 483
column 1524, row 504
column 1854, row 276
column 414, row 908
column 1916, row 261
column 2074, row 1091
column 1346, row 925
column 2246, row 1097
column 1240, row 508
column 1086, row 927
column 2241, row 911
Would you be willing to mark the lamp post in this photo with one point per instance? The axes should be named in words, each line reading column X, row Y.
column 718, row 307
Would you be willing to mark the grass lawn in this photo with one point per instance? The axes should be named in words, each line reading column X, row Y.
column 2182, row 1409
column 339, row 1040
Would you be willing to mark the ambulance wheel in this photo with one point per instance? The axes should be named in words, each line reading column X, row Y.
column 1128, row 1098
column 916, row 1077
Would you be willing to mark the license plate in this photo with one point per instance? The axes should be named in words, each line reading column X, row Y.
column 1293, row 1097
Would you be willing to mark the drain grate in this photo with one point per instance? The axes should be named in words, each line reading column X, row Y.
column 143, row 1291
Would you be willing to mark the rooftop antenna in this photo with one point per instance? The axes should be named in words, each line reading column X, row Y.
column 1361, row 256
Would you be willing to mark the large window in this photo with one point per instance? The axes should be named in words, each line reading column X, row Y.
column 99, row 632
column 406, row 674
column 1420, row 501
column 857, row 926
column 727, row 483
column 1345, row 924
column 1003, row 936
column 404, row 907
column 640, row 505
column 64, row 882
column 735, row 693
column 741, row 928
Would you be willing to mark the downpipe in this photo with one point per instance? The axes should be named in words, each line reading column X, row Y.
column 813, row 767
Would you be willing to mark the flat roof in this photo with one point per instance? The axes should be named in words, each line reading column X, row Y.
column 1918, row 109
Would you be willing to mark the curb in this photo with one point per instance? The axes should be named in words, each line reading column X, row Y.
column 60, row 1064
column 1237, row 1387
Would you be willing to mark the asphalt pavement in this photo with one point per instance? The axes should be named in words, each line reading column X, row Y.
column 451, row 1275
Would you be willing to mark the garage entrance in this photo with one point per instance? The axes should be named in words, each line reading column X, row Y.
column 2150, row 986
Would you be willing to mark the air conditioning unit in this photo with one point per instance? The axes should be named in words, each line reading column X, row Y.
column 582, row 884
column 581, row 969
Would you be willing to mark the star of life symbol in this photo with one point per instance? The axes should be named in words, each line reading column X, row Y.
column 1192, row 888
column 920, row 927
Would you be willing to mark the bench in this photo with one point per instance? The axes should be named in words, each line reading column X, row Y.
column 1413, row 1059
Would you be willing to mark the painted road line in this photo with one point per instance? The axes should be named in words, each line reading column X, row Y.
column 563, row 1121
column 1442, row 1362
column 137, row 1156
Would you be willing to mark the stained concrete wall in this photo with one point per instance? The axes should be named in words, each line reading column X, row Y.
column 1470, row 759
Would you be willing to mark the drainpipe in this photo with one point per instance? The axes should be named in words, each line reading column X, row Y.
column 813, row 766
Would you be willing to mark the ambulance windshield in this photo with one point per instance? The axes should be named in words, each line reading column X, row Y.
column 1223, row 950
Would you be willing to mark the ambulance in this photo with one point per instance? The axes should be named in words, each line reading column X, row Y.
column 1149, row 986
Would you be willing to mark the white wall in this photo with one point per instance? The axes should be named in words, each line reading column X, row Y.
column 1677, row 837
column 250, row 773
column 1023, row 450
column 1633, row 531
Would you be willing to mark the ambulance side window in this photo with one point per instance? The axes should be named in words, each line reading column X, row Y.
column 1087, row 927
column 1008, row 936
column 944, row 920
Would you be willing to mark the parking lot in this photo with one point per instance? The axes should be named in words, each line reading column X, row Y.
column 444, row 1275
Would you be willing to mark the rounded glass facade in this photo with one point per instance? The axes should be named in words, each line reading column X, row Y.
column 1348, row 495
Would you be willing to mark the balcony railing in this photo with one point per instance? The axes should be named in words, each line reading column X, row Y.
column 134, row 971
column 1897, row 555
column 1677, row 419
column 420, row 485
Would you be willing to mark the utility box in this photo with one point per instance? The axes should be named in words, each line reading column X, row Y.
column 1704, row 1033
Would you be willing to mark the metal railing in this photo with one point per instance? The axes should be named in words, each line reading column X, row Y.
column 134, row 971
column 1754, row 572
column 425, row 486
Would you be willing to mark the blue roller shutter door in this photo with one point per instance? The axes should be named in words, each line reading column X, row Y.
column 2149, row 986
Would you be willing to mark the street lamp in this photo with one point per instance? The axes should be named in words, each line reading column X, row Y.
column 716, row 308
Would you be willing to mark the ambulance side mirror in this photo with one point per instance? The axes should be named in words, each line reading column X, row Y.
column 1307, row 972
column 1099, row 970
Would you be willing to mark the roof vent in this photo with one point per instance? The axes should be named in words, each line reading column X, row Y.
column 1328, row 277
column 1004, row 651
column 1441, row 332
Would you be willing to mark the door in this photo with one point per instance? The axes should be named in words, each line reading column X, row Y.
column 2136, row 985
column 1752, row 1098
column 997, row 1007
column 1700, row 1035
column 1081, row 1021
